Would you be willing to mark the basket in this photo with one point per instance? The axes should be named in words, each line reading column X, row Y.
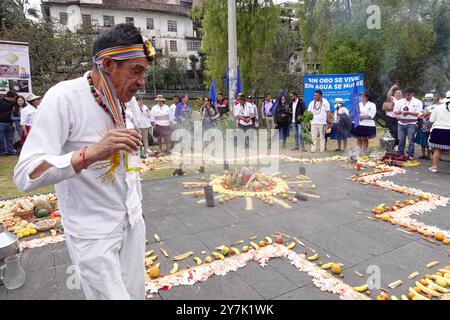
column 24, row 214
column 50, row 225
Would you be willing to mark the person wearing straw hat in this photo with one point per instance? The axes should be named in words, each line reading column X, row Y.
column 81, row 144
column 27, row 115
column 161, row 118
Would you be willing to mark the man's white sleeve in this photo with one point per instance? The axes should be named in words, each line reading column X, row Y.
column 51, row 127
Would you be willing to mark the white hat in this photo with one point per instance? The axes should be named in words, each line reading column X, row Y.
column 160, row 97
column 429, row 96
column 447, row 95
column 32, row 97
column 338, row 100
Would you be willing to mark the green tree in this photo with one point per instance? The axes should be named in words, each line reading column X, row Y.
column 166, row 73
column 257, row 25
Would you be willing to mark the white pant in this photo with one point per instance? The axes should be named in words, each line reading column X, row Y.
column 318, row 130
column 111, row 268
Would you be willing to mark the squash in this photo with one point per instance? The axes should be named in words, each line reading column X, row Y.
column 42, row 213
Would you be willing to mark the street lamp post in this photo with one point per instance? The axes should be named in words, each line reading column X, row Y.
column 232, row 51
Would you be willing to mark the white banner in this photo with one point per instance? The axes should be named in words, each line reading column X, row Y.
column 15, row 72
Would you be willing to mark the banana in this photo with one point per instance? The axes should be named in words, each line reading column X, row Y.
column 416, row 294
column 149, row 253
column 291, row 245
column 434, row 277
column 217, row 255
column 254, row 245
column 403, row 297
column 363, row 288
column 327, row 266
column 174, row 268
column 444, row 271
column 436, row 287
column 153, row 258
column 313, row 258
column 394, row 298
column 183, row 256
column 164, row 252
column 269, row 240
column 148, row 263
column 235, row 251
column 197, row 260
column 428, row 290
column 157, row 238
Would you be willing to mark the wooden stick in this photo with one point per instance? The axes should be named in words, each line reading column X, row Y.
column 405, row 232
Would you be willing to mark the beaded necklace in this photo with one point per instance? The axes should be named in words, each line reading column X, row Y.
column 102, row 104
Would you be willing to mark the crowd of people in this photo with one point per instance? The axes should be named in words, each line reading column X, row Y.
column 409, row 120
column 16, row 120
column 424, row 123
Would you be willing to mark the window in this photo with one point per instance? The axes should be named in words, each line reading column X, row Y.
column 171, row 26
column 129, row 20
column 108, row 21
column 193, row 46
column 63, row 16
column 150, row 24
column 87, row 22
column 173, row 46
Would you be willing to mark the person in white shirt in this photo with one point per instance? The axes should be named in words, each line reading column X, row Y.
column 161, row 118
column 173, row 107
column 255, row 118
column 27, row 115
column 366, row 129
column 79, row 142
column 394, row 95
column 320, row 107
column 407, row 111
column 244, row 112
column 267, row 112
column 142, row 121
column 440, row 131
column 341, row 124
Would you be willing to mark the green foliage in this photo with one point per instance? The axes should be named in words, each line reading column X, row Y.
column 257, row 25
column 411, row 48
column 166, row 73
column 306, row 119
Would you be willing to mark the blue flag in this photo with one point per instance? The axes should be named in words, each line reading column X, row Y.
column 354, row 106
column 239, row 82
column 212, row 92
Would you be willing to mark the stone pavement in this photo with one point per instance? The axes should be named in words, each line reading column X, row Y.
column 334, row 225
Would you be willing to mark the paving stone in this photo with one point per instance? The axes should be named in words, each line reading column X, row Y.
column 67, row 284
column 266, row 281
column 33, row 260
column 228, row 287
column 39, row 285
column 168, row 227
column 308, row 292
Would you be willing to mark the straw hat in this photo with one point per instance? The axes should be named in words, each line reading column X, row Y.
column 160, row 97
column 32, row 97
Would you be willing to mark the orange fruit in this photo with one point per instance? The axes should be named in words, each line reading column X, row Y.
column 413, row 229
column 394, row 222
column 446, row 241
column 417, row 289
column 336, row 268
column 439, row 236
column 426, row 234
column 423, row 282
column 262, row 243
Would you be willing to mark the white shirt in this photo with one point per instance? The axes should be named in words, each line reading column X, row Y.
column 68, row 119
column 244, row 110
column 414, row 105
column 319, row 109
column 440, row 117
column 142, row 116
column 369, row 109
column 391, row 113
column 340, row 111
column 161, row 115
column 173, row 107
column 294, row 110
column 27, row 115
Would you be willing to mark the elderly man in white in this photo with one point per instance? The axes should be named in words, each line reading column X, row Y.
column 80, row 143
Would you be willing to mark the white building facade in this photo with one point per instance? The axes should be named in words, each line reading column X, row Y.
column 165, row 22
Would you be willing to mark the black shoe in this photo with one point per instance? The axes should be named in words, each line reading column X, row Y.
column 423, row 158
column 296, row 148
column 337, row 150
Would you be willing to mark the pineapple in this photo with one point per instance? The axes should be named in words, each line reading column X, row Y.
column 41, row 203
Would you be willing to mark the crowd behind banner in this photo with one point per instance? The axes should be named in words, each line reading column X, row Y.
column 409, row 120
